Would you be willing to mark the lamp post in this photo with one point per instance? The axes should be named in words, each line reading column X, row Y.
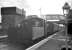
column 66, row 9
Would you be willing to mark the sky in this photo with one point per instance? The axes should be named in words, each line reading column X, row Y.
column 34, row 7
column 47, row 6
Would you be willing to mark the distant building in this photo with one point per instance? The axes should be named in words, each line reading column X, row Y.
column 12, row 16
column 54, row 17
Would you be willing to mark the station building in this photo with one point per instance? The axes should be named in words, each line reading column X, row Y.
column 12, row 16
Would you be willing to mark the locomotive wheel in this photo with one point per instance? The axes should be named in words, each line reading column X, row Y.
column 64, row 48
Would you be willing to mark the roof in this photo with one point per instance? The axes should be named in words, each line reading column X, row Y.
column 54, row 17
column 11, row 10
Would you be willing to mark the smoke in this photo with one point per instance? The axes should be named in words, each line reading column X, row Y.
column 17, row 3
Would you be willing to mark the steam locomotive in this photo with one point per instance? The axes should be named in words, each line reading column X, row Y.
column 26, row 31
column 29, row 33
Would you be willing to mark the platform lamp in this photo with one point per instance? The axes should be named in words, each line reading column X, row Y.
column 66, row 9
